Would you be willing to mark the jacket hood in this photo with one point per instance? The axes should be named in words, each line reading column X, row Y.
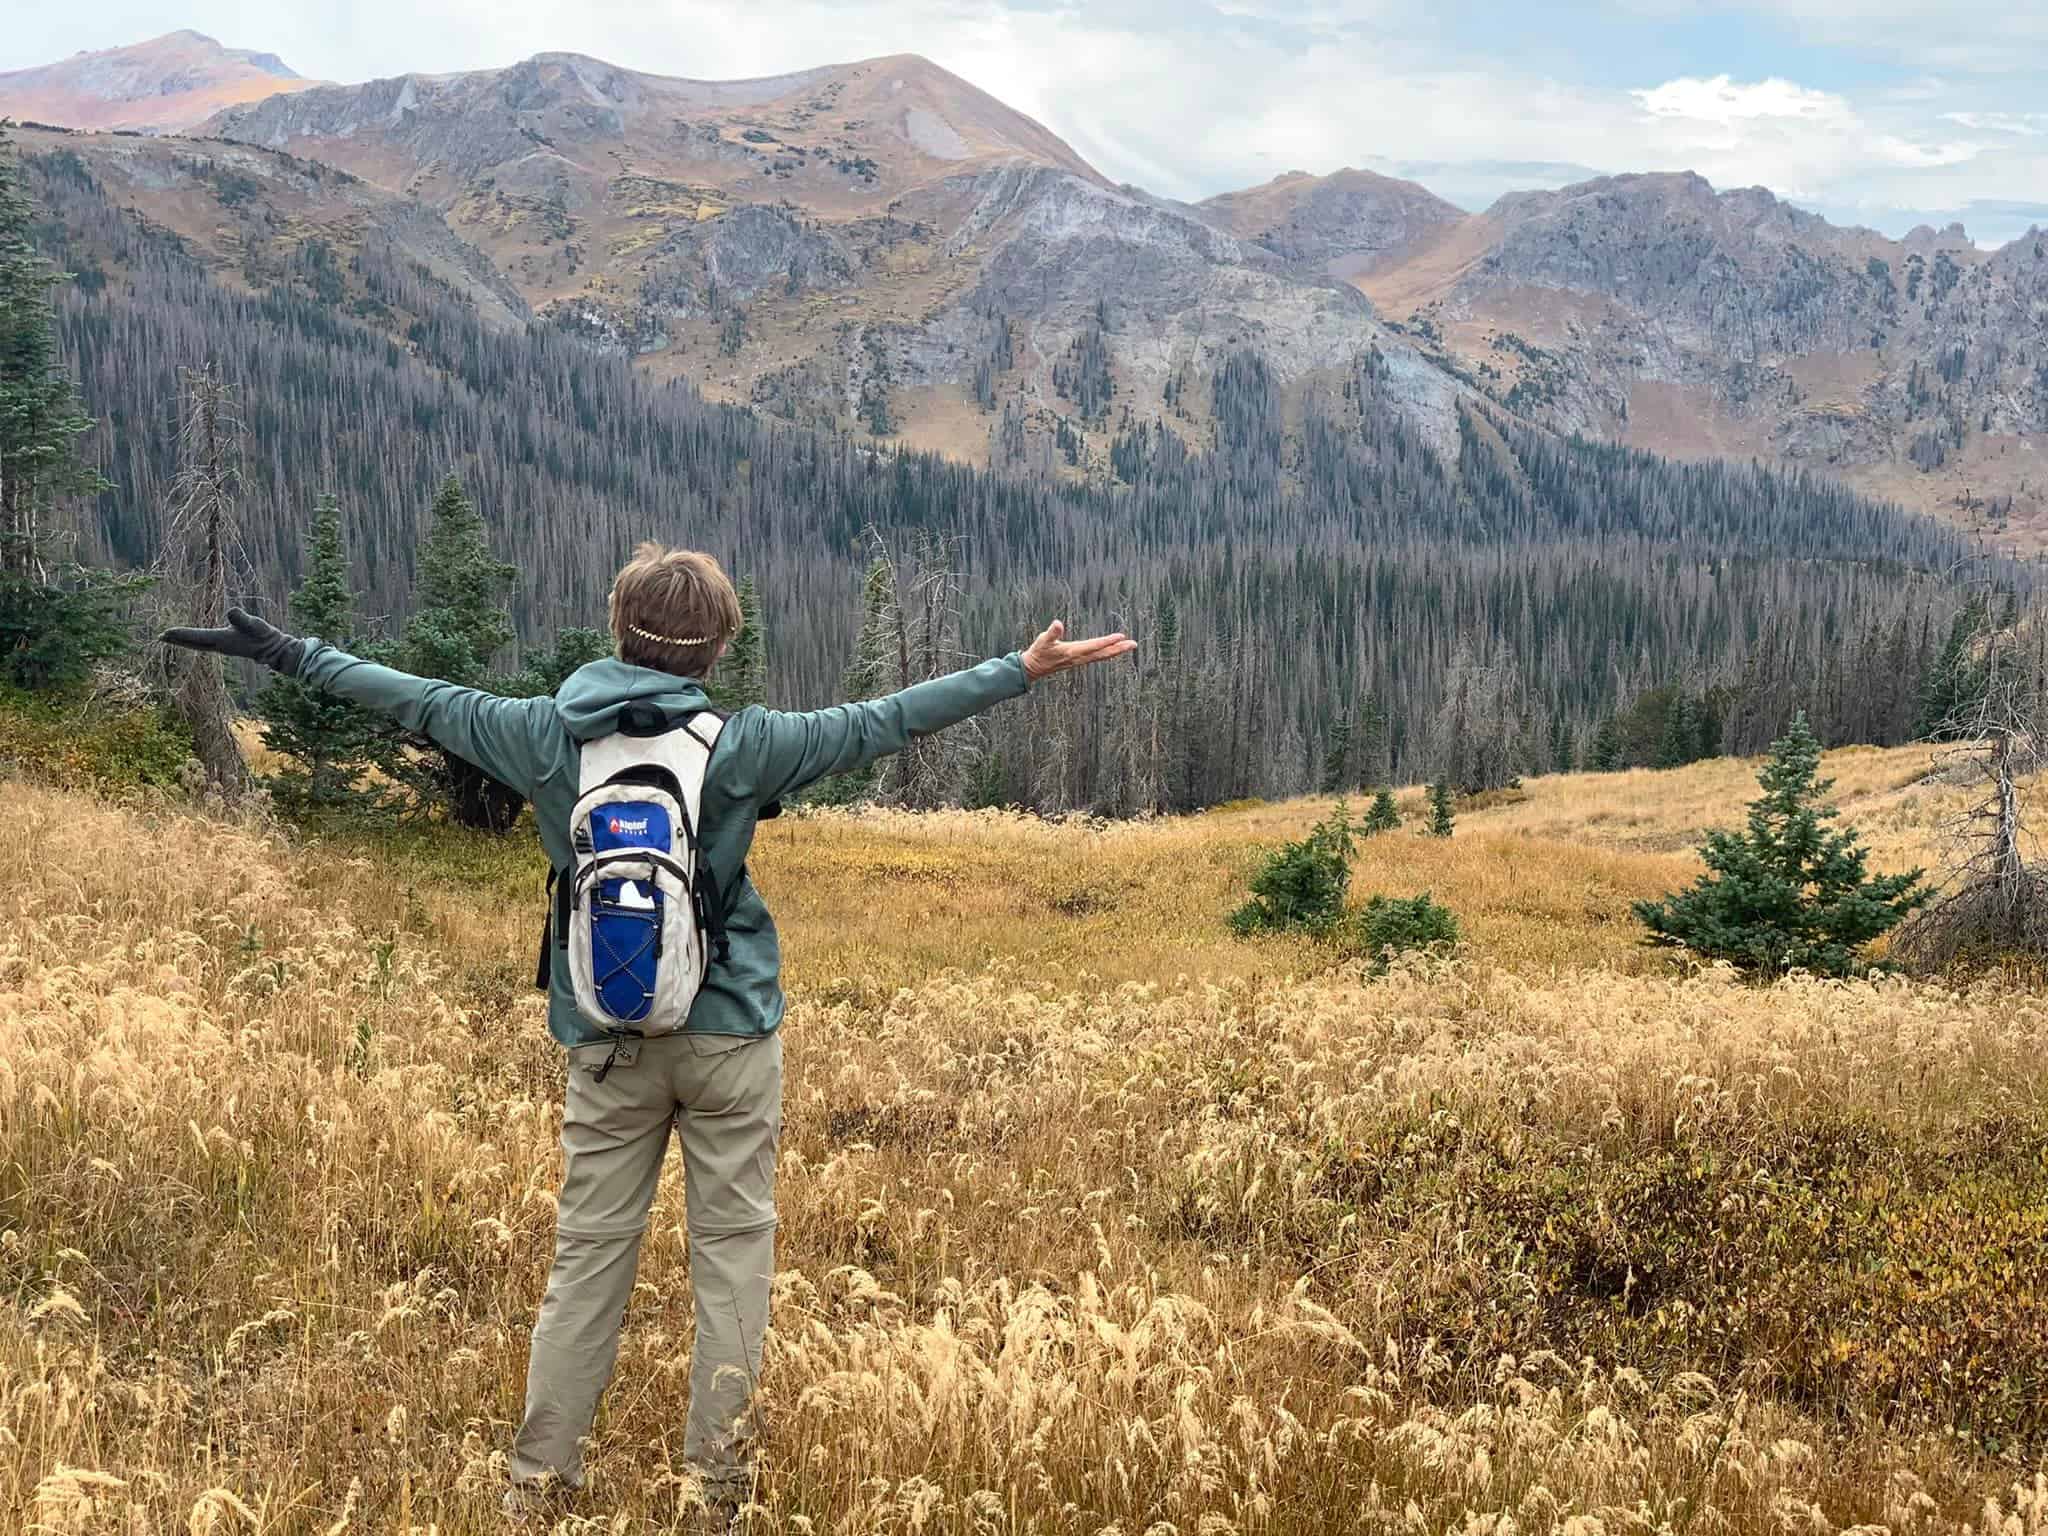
column 592, row 700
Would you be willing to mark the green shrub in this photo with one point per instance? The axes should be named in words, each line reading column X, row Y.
column 1391, row 925
column 1302, row 885
column 72, row 741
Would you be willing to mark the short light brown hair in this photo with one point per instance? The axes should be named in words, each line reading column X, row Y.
column 673, row 610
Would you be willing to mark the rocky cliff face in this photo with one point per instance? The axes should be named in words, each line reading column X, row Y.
column 1656, row 310
column 1170, row 294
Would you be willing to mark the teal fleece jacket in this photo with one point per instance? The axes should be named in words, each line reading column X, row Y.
column 535, row 746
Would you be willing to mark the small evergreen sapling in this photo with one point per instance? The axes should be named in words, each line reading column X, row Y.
column 1790, row 893
column 1382, row 817
column 1440, row 821
column 1303, row 884
column 1392, row 925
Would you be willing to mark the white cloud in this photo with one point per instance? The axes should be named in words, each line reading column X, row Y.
column 1721, row 100
column 1925, row 156
column 2030, row 125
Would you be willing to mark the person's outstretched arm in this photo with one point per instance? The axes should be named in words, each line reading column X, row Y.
column 503, row 737
column 782, row 751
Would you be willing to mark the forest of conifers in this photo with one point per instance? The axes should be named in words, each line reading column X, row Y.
column 1320, row 598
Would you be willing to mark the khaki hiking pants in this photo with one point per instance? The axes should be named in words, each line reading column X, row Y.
column 723, row 1095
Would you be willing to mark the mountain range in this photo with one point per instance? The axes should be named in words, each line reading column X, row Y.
column 883, row 249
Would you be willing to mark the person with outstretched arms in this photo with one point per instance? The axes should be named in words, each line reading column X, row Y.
column 661, row 961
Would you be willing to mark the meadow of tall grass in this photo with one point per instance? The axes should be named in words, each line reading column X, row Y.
column 1094, row 1218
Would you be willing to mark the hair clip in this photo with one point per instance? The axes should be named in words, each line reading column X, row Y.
column 648, row 634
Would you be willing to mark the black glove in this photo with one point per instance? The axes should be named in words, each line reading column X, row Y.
column 246, row 637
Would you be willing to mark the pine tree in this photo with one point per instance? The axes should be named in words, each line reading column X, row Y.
column 1711, row 722
column 330, row 741
column 1337, row 758
column 1381, row 816
column 1374, row 744
column 1563, row 748
column 741, row 676
column 1790, row 894
column 1955, row 685
column 55, row 620
column 1680, row 741
column 459, row 621
column 1608, row 754
column 545, row 671
column 1440, row 821
column 873, row 671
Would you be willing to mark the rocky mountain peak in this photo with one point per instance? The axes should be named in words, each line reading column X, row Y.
column 1342, row 225
column 165, row 85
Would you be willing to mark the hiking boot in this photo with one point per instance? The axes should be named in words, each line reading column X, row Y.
column 533, row 1506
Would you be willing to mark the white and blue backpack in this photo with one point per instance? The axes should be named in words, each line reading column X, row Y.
column 638, row 915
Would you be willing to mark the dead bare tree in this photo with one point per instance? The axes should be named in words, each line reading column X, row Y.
column 200, row 537
column 20, row 541
column 1994, row 901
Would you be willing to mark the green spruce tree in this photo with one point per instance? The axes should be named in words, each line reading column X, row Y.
column 1608, row 754
column 1679, row 743
column 56, row 619
column 542, row 672
column 1956, row 684
column 460, row 620
column 874, row 671
column 1336, row 768
column 741, row 676
column 1440, row 820
column 1381, row 816
column 1563, row 748
column 330, row 741
column 1791, row 893
column 1372, row 744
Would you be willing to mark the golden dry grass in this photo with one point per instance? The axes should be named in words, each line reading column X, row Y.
column 1094, row 1219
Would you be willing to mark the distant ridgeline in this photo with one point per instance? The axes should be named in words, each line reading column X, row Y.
column 1318, row 602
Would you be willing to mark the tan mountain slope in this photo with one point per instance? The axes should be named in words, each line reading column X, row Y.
column 257, row 220
column 565, row 127
column 162, row 86
column 1347, row 224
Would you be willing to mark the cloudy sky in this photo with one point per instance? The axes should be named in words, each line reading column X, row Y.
column 1882, row 112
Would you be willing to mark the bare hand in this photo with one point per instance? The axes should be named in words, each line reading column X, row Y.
column 1052, row 652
